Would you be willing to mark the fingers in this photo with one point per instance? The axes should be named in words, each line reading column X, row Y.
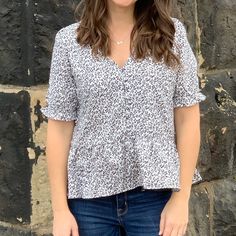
column 175, row 231
column 162, row 225
column 75, row 231
column 165, row 226
column 184, row 229
column 180, row 232
column 69, row 228
column 168, row 229
column 171, row 228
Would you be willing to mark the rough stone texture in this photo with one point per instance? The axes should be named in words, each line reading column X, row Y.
column 185, row 11
column 199, row 219
column 217, row 23
column 10, row 231
column 15, row 166
column 218, row 125
column 41, row 217
column 224, row 211
column 27, row 33
column 49, row 17
column 35, row 201
column 11, row 68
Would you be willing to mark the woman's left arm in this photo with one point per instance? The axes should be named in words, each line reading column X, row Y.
column 186, row 99
column 174, row 217
column 188, row 138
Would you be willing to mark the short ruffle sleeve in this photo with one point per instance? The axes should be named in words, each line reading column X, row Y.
column 61, row 97
column 187, row 90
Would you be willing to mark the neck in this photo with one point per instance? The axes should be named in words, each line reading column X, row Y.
column 120, row 16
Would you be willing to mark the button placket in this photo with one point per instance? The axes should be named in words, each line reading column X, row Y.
column 127, row 109
column 128, row 104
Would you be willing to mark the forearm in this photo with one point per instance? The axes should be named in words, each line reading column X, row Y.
column 58, row 144
column 188, row 143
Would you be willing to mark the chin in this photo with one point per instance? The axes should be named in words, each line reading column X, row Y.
column 124, row 3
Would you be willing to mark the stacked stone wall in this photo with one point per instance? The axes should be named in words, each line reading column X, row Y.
column 27, row 33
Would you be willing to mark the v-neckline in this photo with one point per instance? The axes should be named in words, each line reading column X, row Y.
column 113, row 62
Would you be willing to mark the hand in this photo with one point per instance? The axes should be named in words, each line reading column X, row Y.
column 64, row 224
column 174, row 217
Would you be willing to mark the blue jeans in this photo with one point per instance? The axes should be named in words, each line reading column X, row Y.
column 131, row 213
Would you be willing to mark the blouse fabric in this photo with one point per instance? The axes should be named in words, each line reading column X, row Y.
column 124, row 133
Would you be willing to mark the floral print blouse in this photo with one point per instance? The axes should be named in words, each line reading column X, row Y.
column 124, row 133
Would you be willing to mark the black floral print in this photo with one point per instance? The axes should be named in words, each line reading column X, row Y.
column 124, row 133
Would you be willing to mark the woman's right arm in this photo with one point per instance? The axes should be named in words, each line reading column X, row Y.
column 61, row 110
column 59, row 134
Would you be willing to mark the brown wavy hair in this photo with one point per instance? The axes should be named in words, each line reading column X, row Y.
column 153, row 26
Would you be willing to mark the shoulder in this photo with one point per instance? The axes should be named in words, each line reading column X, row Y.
column 178, row 24
column 180, row 30
column 69, row 29
column 67, row 33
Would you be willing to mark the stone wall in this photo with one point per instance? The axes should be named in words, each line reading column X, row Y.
column 27, row 32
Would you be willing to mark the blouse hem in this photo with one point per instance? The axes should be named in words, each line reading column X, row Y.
column 49, row 114
column 198, row 98
column 174, row 188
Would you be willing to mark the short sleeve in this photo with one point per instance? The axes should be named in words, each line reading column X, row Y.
column 187, row 91
column 61, row 97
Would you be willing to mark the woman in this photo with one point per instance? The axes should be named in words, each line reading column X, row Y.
column 123, row 121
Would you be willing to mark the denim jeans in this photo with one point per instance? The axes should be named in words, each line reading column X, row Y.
column 132, row 213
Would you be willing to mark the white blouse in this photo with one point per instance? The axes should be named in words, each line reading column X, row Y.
column 124, row 133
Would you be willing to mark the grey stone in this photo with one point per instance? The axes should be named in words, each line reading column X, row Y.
column 50, row 16
column 11, row 231
column 224, row 210
column 15, row 166
column 218, row 126
column 199, row 207
column 27, row 35
column 217, row 21
column 11, row 51
column 185, row 11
